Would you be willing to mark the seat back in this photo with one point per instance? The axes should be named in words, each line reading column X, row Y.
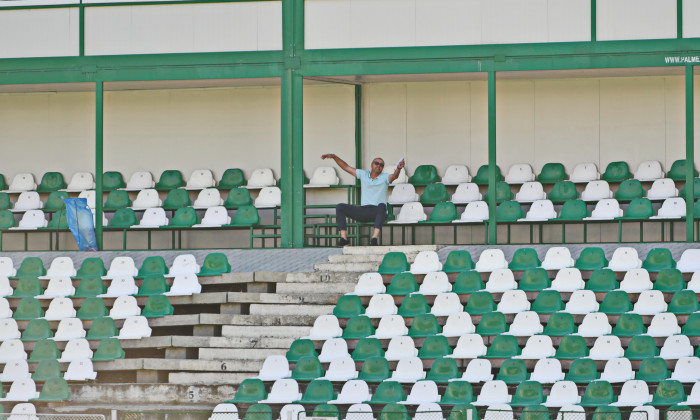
column 200, row 179
column 140, row 180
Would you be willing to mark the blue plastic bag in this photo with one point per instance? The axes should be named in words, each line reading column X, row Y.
column 81, row 224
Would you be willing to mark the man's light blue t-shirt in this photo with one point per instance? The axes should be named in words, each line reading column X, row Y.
column 373, row 190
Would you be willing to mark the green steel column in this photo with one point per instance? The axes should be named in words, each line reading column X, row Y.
column 99, row 155
column 689, row 152
column 492, row 155
column 358, row 136
column 81, row 29
column 679, row 19
column 292, row 113
column 594, row 20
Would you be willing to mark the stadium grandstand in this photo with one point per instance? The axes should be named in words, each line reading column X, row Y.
column 540, row 260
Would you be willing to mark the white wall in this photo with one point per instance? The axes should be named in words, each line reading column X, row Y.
column 243, row 26
column 691, row 19
column 636, row 19
column 39, row 33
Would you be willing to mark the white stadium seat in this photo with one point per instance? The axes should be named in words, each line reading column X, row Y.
column 152, row 218
column 32, row 220
column 323, row 176
column 466, row 193
column 210, row 197
column 456, row 174
column 200, row 179
column 596, row 190
column 476, row 211
column 519, row 174
column 402, row 194
column 605, row 209
column 671, row 208
column 662, row 189
column 410, row 213
column 22, row 182
column 80, row 181
column 268, row 197
column 147, row 199
column 261, row 178
column 426, row 262
column 649, row 170
column 584, row 173
column 140, row 181
column 216, row 216
column 134, row 328
column 530, row 192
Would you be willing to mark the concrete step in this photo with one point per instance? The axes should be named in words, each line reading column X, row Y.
column 333, row 290
column 180, row 365
column 406, row 249
column 318, row 298
column 319, row 277
column 258, row 320
column 261, row 332
column 347, row 267
column 208, row 378
column 141, row 396
column 233, row 355
column 313, row 310
column 237, row 341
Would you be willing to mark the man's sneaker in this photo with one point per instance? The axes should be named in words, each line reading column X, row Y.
column 343, row 242
column 373, row 242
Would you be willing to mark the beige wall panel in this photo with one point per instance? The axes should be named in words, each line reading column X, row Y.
column 566, row 122
column 675, row 121
column 385, row 123
column 514, row 21
column 515, row 123
column 327, row 24
column 448, row 22
column 479, row 122
column 244, row 26
column 569, row 20
column 212, row 129
column 438, row 129
column 39, row 33
column 636, row 19
column 56, row 129
column 382, row 23
column 632, row 120
column 691, row 19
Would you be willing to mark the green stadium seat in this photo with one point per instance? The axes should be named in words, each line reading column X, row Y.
column 347, row 306
column 547, row 302
column 677, row 171
column 413, row 305
column 551, row 173
column 258, row 412
column 658, row 259
column 153, row 285
column 492, row 323
column 563, row 191
column 653, row 369
column 157, row 306
column 512, row 371
column 90, row 287
column 602, row 280
column 444, row 212
column 692, row 325
column 616, row 172
column 184, row 217
column 51, row 181
column 394, row 263
column 3, row 186
column 573, row 210
column 301, row 347
column 55, row 389
column 669, row 280
column 123, row 219
column 639, row 208
column 28, row 308
column 232, row 178
column 112, row 180
column 582, row 371
column 388, row 392
column 534, row 280
column 424, row 325
column 598, row 393
column 503, row 347
column 641, row 347
column 458, row 392
column 458, row 261
column 524, row 258
column 629, row 189
column 5, row 203
column 307, row 369
column 503, row 193
column 696, row 189
column 534, row 412
column 434, row 347
column 434, row 193
column 109, row 349
column 245, row 216
column 374, row 369
column 7, row 220
column 117, row 199
column 59, row 220
column 102, row 328
column 669, row 392
column 402, row 284
column 31, row 267
column 607, row 413
column 92, row 308
column 394, row 412
column 177, row 198
column 572, row 347
column 358, row 326
column 482, row 175
column 326, row 410
column 528, row 393
column 459, row 412
column 443, row 370
column 91, row 267
column 629, row 325
column 215, row 264
column 560, row 324
column 55, row 202
column 169, row 180
column 616, row 302
column 479, row 303
column 424, row 175
column 238, row 197
column 36, row 330
column 47, row 369
column 28, row 287
column 366, row 348
column 45, row 349
column 152, row 266
column 591, row 258
column 509, row 211
column 251, row 390
column 468, row 282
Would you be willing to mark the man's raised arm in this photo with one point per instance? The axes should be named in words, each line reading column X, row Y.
column 392, row 177
column 340, row 162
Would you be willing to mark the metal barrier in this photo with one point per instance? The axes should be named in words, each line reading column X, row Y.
column 167, row 415
column 33, row 416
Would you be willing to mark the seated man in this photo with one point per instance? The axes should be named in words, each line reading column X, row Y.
column 373, row 187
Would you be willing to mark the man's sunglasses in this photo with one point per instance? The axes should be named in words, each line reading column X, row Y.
column 378, row 163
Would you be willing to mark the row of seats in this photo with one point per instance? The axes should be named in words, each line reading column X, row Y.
column 133, row 327
column 54, row 389
column 543, row 210
column 530, row 192
column 74, row 350
column 23, row 411
column 28, row 308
